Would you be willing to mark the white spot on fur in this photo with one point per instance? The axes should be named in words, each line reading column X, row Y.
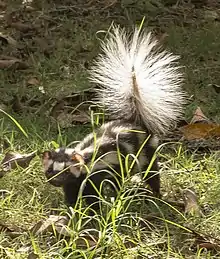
column 69, row 151
column 83, row 142
column 87, row 150
column 58, row 166
column 105, row 126
column 154, row 141
column 121, row 129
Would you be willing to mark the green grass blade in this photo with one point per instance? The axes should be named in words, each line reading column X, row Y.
column 15, row 122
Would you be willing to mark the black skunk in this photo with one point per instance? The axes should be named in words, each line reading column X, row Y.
column 140, row 90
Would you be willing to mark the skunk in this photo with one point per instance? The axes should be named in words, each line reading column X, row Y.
column 140, row 89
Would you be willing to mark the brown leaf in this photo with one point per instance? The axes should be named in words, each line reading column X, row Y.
column 8, row 39
column 33, row 81
column 13, row 64
column 200, row 127
column 191, row 203
column 66, row 120
column 53, row 222
column 209, row 246
column 9, row 231
column 86, row 241
column 12, row 160
column 57, row 108
column 81, row 117
column 59, row 224
column 199, row 116
column 200, row 130
column 23, row 27
column 204, row 240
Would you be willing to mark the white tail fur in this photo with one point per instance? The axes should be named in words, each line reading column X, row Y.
column 138, row 80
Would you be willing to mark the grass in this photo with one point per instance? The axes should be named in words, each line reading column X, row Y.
column 127, row 232
column 59, row 61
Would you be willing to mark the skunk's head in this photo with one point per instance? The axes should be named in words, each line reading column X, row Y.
column 62, row 165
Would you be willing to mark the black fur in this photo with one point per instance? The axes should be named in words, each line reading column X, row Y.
column 71, row 183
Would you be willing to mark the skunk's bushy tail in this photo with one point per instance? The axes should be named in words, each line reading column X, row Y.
column 138, row 80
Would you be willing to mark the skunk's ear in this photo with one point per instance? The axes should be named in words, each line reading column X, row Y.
column 46, row 155
column 46, row 160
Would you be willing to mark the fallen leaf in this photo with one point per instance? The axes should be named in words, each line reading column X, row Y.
column 86, row 241
column 66, row 120
column 81, row 117
column 57, row 108
column 209, row 246
column 199, row 116
column 59, row 224
column 33, row 81
column 12, row 160
column 200, row 130
column 53, row 222
column 9, row 231
column 8, row 39
column 13, row 64
column 191, row 203
column 200, row 127
column 205, row 241
column 216, row 87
